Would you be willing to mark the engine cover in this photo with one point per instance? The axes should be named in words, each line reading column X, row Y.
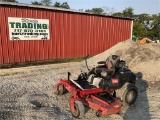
column 94, row 80
column 110, row 83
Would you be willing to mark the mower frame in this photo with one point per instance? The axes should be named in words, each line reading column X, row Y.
column 87, row 97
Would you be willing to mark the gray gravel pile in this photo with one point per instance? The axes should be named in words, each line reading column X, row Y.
column 139, row 58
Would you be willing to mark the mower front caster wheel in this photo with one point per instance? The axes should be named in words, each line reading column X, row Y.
column 60, row 90
column 99, row 113
column 79, row 109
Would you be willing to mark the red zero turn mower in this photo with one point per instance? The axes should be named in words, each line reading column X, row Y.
column 105, row 88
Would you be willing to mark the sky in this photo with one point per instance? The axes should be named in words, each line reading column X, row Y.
column 140, row 6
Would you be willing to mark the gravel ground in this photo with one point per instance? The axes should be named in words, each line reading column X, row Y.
column 23, row 90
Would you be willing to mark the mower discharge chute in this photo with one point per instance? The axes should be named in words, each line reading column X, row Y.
column 105, row 88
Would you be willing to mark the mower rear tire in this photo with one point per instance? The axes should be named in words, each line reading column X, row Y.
column 128, row 94
column 60, row 90
column 79, row 109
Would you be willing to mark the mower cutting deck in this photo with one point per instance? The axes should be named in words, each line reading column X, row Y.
column 89, row 95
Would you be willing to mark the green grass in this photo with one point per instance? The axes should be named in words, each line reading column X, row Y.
column 44, row 62
column 8, row 74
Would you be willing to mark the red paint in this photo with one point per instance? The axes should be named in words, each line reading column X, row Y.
column 1, row 58
column 71, row 35
column 86, row 96
column 114, row 81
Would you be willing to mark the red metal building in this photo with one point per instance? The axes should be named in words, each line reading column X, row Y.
column 69, row 33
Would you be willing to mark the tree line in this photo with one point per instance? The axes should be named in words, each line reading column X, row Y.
column 145, row 25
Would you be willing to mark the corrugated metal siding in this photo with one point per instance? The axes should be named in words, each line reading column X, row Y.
column 0, row 37
column 71, row 35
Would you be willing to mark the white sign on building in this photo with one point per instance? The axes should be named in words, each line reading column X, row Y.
column 28, row 29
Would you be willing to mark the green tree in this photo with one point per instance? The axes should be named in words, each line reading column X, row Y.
column 36, row 3
column 108, row 11
column 95, row 11
column 88, row 11
column 9, row 1
column 46, row 2
column 63, row 5
column 139, row 30
column 146, row 25
column 81, row 10
column 117, row 14
column 155, row 26
column 128, row 12
column 155, row 20
column 100, row 11
column 57, row 4
column 141, row 25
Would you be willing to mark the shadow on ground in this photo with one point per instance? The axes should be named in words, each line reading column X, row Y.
column 140, row 109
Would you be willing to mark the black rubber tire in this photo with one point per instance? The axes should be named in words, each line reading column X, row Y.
column 79, row 109
column 99, row 113
column 60, row 90
column 128, row 94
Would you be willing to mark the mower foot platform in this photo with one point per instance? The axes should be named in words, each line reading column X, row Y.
column 85, row 84
column 85, row 94
column 106, row 98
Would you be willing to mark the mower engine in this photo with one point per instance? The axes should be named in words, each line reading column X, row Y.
column 111, row 83
column 102, row 78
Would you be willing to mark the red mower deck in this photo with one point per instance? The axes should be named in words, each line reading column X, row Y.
column 82, row 96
